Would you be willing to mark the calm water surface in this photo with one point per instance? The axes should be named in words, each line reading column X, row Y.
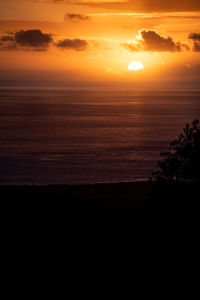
column 78, row 137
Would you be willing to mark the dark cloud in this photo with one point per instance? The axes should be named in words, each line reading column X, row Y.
column 7, row 42
column 33, row 38
column 26, row 40
column 155, row 42
column 75, row 44
column 6, row 38
column 195, row 37
column 152, row 41
column 76, row 17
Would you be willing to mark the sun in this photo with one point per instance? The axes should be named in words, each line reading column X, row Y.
column 135, row 65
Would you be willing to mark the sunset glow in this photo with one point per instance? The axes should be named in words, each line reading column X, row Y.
column 96, row 41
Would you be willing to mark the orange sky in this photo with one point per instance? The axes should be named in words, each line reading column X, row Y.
column 96, row 40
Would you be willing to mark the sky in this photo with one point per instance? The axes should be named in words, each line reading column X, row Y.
column 95, row 41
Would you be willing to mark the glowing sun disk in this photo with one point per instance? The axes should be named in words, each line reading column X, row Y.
column 135, row 65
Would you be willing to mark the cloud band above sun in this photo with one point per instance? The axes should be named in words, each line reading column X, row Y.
column 146, row 41
column 153, row 42
column 135, row 5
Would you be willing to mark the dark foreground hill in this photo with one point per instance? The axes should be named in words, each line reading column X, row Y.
column 84, row 238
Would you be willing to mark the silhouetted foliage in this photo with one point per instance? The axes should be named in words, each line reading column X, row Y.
column 182, row 162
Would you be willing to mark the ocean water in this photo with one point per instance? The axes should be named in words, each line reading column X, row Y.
column 88, row 136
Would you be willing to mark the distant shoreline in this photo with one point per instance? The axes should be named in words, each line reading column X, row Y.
column 75, row 185
column 128, row 195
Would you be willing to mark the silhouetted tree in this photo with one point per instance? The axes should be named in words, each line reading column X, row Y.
column 182, row 162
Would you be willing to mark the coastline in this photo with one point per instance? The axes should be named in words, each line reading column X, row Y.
column 123, row 194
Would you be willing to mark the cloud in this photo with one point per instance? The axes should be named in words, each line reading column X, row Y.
column 33, row 38
column 155, row 42
column 7, row 42
column 137, row 5
column 26, row 40
column 195, row 37
column 7, row 38
column 152, row 41
column 75, row 17
column 75, row 44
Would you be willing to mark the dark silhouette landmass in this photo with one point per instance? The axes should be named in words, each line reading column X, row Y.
column 83, row 238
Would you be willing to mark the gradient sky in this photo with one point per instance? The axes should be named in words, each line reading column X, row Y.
column 75, row 41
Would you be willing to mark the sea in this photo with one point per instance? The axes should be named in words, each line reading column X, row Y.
column 88, row 136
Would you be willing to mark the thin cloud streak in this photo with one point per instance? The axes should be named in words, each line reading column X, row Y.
column 75, row 17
